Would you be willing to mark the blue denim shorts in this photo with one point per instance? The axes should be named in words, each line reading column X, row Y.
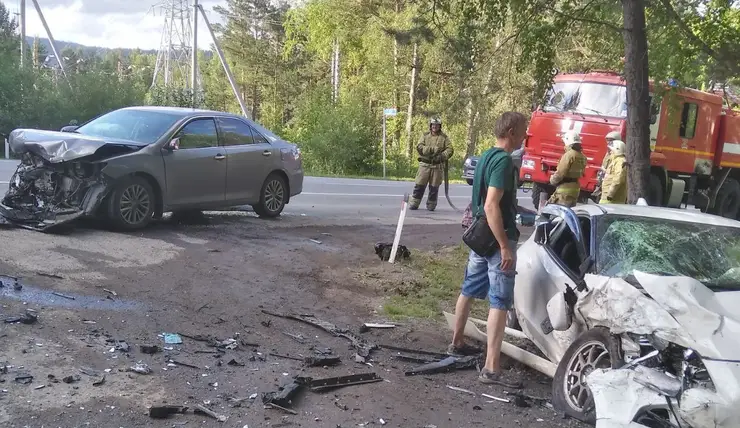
column 484, row 278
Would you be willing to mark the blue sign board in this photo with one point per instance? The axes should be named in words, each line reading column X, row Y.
column 390, row 112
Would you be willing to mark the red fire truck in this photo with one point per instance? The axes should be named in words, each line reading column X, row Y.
column 695, row 141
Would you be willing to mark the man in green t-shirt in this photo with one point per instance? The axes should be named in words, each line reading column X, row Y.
column 494, row 196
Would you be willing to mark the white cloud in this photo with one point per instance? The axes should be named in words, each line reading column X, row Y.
column 108, row 23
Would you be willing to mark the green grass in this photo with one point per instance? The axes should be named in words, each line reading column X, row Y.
column 436, row 287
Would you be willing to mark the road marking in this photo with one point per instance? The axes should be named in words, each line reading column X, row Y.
column 386, row 195
column 4, row 182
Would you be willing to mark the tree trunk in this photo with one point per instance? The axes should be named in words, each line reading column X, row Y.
column 412, row 101
column 638, row 100
column 396, row 89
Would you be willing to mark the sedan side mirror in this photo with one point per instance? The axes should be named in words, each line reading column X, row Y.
column 173, row 145
column 69, row 128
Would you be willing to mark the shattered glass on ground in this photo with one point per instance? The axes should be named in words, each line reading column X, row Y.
column 710, row 254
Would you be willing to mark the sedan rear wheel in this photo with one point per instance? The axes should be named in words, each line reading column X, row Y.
column 273, row 196
column 131, row 204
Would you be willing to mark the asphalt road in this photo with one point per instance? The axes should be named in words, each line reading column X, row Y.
column 353, row 201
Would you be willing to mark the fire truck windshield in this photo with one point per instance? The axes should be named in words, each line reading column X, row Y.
column 587, row 98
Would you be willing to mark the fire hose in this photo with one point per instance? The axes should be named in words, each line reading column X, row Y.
column 447, row 187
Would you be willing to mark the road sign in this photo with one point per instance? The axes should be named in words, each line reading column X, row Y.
column 390, row 111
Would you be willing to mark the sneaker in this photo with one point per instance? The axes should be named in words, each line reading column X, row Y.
column 464, row 350
column 431, row 208
column 413, row 207
column 497, row 378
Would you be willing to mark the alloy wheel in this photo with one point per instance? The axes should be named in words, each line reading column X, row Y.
column 589, row 357
column 135, row 204
column 274, row 195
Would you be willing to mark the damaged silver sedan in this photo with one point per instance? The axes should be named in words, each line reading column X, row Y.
column 133, row 164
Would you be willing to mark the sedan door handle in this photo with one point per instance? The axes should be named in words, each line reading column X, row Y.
column 267, row 153
column 219, row 157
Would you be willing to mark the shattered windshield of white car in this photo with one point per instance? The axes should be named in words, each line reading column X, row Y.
column 707, row 253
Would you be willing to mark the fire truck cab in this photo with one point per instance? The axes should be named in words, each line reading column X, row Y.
column 695, row 141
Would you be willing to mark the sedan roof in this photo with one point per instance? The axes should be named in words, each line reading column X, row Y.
column 685, row 215
column 182, row 111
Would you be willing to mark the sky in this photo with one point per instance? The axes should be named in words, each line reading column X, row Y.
column 108, row 23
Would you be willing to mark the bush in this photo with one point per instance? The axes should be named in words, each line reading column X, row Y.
column 337, row 138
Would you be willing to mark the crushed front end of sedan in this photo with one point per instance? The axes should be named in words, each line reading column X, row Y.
column 681, row 348
column 59, row 177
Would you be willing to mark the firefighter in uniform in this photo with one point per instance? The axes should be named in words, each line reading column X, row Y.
column 615, row 179
column 570, row 169
column 614, row 135
column 434, row 150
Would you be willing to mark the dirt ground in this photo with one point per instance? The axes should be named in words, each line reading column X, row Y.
column 214, row 278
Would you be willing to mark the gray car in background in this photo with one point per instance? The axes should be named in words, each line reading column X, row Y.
column 472, row 161
column 133, row 164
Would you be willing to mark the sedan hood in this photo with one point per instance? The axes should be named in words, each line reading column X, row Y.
column 58, row 147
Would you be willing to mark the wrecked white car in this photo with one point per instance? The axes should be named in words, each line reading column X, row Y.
column 640, row 306
column 133, row 164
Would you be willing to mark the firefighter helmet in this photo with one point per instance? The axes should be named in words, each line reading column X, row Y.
column 617, row 147
column 614, row 135
column 570, row 138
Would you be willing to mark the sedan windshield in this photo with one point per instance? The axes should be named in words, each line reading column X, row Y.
column 141, row 126
column 707, row 253
column 587, row 98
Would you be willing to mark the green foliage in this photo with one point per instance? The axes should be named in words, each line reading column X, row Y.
column 335, row 139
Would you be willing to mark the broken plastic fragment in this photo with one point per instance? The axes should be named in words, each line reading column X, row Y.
column 172, row 338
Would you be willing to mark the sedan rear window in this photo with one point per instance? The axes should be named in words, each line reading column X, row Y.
column 141, row 126
column 707, row 253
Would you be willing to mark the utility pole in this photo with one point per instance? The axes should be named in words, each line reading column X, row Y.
column 23, row 31
column 225, row 64
column 53, row 44
column 194, row 54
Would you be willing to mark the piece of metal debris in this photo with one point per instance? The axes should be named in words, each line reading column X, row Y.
column 321, row 361
column 503, row 400
column 149, row 349
column 438, row 355
column 140, row 368
column 315, row 241
column 122, row 346
column 162, row 412
column 285, row 394
column 383, row 250
column 297, row 337
column 99, row 381
column 233, row 362
column 455, row 388
column 71, row 379
column 24, row 379
column 40, row 387
column 63, row 295
column 111, row 292
column 180, row 363
column 369, row 325
column 208, row 412
column 317, row 385
column 362, row 346
column 446, row 365
column 284, row 409
column 29, row 317
column 172, row 338
column 49, row 275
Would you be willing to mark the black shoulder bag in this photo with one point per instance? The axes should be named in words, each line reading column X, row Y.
column 479, row 236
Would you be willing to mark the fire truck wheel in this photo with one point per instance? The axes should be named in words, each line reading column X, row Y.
column 728, row 199
column 655, row 191
column 536, row 190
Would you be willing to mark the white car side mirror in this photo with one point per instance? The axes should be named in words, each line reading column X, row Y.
column 557, row 311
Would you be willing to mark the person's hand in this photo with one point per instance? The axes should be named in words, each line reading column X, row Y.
column 507, row 259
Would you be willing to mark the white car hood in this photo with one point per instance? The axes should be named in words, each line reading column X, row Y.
column 683, row 311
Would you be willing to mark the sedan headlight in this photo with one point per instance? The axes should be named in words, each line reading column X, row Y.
column 528, row 164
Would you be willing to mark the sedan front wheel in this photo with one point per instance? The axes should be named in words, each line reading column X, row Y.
column 273, row 196
column 131, row 204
